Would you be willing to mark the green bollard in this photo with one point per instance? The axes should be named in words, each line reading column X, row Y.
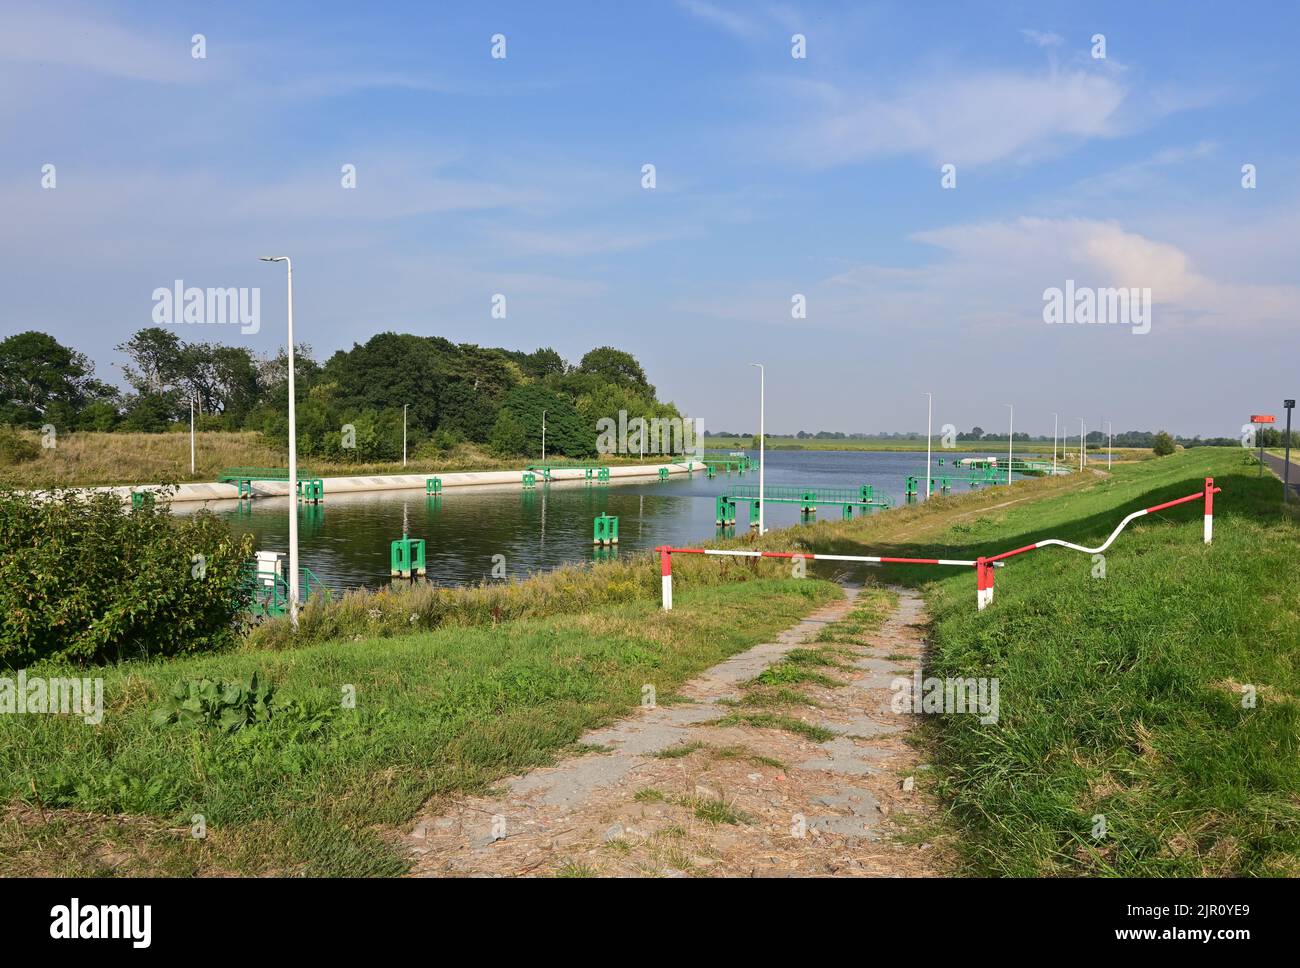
column 433, row 485
column 603, row 475
column 406, row 557
column 530, row 480
column 604, row 530
column 663, row 473
column 754, row 507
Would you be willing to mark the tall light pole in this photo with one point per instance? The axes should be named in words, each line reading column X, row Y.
column 191, row 435
column 1056, row 420
column 1081, row 444
column 929, row 418
column 404, row 406
column 1110, row 442
column 293, row 454
column 762, row 438
column 1011, row 428
column 543, row 437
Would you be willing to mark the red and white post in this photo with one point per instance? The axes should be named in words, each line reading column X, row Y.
column 983, row 583
column 1209, row 509
column 666, row 569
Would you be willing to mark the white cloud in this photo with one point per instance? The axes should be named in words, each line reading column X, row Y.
column 973, row 119
column 730, row 21
column 1042, row 39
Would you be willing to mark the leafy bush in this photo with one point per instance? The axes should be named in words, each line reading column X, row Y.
column 15, row 448
column 87, row 578
column 1163, row 445
column 206, row 702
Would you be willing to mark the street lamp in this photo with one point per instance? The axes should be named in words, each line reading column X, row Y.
column 929, row 415
column 404, row 406
column 293, row 453
column 1082, row 445
column 762, row 436
column 1011, row 427
column 543, row 437
column 1110, row 442
column 191, row 434
column 1056, row 419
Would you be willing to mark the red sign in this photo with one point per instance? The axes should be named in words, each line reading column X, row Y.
column 1262, row 418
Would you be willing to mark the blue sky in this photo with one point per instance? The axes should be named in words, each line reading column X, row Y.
column 775, row 176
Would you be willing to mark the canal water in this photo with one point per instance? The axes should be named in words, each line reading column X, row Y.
column 345, row 540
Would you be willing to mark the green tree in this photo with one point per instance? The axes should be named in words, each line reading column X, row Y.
column 1163, row 445
column 507, row 437
column 617, row 367
column 43, row 381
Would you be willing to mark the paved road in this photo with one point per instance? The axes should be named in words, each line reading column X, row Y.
column 1276, row 465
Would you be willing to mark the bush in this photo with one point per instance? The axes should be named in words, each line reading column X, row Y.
column 15, row 447
column 85, row 578
column 1163, row 445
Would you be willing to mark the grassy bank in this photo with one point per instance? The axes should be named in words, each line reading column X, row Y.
column 1122, row 696
column 316, row 789
column 86, row 459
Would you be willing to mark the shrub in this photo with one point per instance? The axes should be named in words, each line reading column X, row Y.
column 1163, row 445
column 16, row 447
column 86, row 578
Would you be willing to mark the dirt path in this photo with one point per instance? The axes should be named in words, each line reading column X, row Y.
column 730, row 800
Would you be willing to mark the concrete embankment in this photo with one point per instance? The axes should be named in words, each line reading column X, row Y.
column 386, row 482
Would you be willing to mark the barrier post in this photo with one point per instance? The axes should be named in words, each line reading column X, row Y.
column 1209, row 509
column 666, row 569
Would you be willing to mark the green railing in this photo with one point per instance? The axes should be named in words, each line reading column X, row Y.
column 268, row 590
column 231, row 475
column 786, row 494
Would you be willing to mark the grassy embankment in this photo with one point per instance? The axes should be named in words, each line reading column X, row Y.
column 1122, row 697
column 312, row 791
column 87, row 459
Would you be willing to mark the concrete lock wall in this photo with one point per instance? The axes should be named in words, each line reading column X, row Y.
column 385, row 482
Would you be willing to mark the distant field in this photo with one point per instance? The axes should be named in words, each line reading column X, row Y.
column 968, row 446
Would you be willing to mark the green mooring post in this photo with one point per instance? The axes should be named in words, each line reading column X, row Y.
column 141, row 499
column 753, row 513
column 867, row 493
column 530, row 480
column 604, row 530
column 311, row 491
column 725, row 510
column 406, row 556
column 433, row 485
column 910, row 489
column 848, row 511
column 663, row 473
column 602, row 475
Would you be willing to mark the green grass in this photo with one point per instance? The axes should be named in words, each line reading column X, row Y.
column 1117, row 693
column 437, row 714
column 818, row 734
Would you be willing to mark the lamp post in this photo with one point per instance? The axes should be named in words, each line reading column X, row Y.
column 1110, row 442
column 404, row 406
column 293, row 453
column 1056, row 419
column 1081, row 445
column 543, row 436
column 191, row 435
column 929, row 415
column 1011, row 427
column 762, row 438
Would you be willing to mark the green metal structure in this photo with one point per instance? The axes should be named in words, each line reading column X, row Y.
column 530, row 480
column 268, row 591
column 604, row 530
column 433, row 485
column 406, row 557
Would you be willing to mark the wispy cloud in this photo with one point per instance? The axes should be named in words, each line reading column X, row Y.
column 738, row 25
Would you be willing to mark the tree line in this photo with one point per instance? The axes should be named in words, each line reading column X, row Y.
column 349, row 407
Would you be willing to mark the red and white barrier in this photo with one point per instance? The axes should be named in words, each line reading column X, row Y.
column 984, row 567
